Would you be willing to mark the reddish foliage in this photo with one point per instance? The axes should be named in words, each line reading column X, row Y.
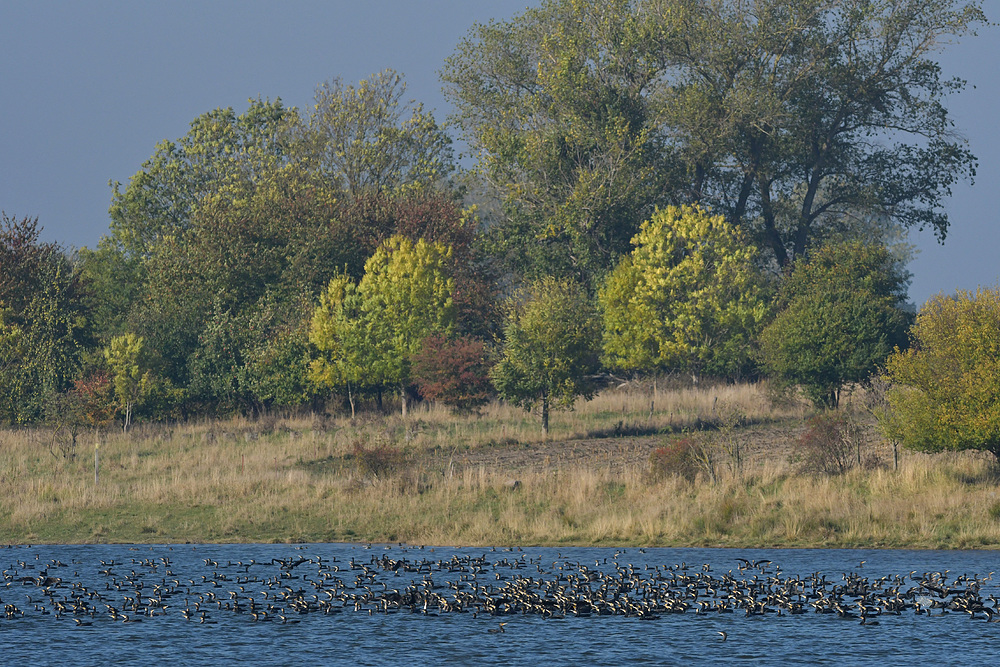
column 454, row 372
column 96, row 399
column 675, row 458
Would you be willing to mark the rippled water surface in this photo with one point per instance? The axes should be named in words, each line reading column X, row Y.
column 358, row 604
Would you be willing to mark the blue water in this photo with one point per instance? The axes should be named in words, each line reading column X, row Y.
column 33, row 629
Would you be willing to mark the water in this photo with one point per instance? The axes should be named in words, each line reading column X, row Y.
column 178, row 576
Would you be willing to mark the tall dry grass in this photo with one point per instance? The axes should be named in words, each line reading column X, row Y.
column 302, row 478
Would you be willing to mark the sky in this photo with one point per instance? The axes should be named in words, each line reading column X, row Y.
column 89, row 89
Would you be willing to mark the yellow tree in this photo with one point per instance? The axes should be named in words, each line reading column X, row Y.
column 688, row 297
column 132, row 379
column 945, row 391
column 369, row 332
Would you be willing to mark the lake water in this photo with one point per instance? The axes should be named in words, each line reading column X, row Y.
column 395, row 604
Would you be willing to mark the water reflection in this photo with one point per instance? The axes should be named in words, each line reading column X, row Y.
column 326, row 603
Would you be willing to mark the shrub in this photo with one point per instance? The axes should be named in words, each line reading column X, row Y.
column 834, row 443
column 684, row 457
column 454, row 372
column 379, row 460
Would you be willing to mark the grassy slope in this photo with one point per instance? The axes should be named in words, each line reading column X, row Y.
column 449, row 482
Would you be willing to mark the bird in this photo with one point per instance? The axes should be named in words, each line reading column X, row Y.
column 724, row 636
column 497, row 630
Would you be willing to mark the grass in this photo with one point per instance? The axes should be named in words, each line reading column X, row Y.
column 440, row 478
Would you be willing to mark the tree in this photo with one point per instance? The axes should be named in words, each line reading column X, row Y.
column 44, row 323
column 370, row 332
column 453, row 371
column 945, row 389
column 550, row 350
column 689, row 297
column 841, row 314
column 784, row 116
column 368, row 139
column 132, row 378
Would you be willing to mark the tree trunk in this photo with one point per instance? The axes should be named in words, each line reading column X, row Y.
column 350, row 398
column 402, row 396
column 545, row 416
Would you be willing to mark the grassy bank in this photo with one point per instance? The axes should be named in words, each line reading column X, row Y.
column 446, row 479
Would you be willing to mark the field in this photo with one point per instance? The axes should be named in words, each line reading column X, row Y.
column 489, row 479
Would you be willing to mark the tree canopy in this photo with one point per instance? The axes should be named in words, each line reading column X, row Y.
column 784, row 116
column 689, row 297
column 945, row 389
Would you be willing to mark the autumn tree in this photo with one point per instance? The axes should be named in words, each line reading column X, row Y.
column 944, row 390
column 453, row 371
column 842, row 312
column 370, row 332
column 550, row 347
column 688, row 297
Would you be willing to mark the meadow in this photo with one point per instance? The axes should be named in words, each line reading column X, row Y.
column 489, row 479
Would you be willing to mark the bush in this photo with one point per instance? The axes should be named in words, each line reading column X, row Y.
column 945, row 390
column 834, row 443
column 842, row 315
column 379, row 460
column 685, row 457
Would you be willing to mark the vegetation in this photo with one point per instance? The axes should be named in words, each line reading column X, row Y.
column 690, row 297
column 705, row 188
column 842, row 315
column 445, row 480
column 550, row 347
column 945, row 391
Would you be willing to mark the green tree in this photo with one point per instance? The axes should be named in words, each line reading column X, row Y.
column 689, row 297
column 842, row 313
column 945, row 389
column 44, row 320
column 369, row 139
column 551, row 346
column 405, row 296
column 784, row 116
column 126, row 357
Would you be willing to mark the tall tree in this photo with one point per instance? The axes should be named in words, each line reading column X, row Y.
column 784, row 116
column 370, row 139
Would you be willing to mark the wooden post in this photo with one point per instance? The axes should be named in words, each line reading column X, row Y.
column 97, row 461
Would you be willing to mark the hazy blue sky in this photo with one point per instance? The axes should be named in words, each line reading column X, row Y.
column 89, row 88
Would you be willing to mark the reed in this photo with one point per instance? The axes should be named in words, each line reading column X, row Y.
column 440, row 478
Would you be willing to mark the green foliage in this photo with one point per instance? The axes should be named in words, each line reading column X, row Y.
column 784, row 116
column 368, row 139
column 367, row 333
column 44, row 323
column 550, row 350
column 945, row 390
column 842, row 315
column 689, row 297
column 133, row 381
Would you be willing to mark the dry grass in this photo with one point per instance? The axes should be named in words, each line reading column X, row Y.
column 446, row 479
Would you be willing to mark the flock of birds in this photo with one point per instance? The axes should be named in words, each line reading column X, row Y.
column 493, row 585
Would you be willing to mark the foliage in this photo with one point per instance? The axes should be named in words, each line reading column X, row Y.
column 44, row 323
column 133, row 381
column 842, row 314
column 550, row 348
column 683, row 457
column 945, row 390
column 452, row 371
column 689, row 297
column 368, row 139
column 784, row 116
column 369, row 332
column 379, row 460
column 834, row 443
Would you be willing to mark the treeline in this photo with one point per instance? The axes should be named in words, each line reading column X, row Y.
column 711, row 187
